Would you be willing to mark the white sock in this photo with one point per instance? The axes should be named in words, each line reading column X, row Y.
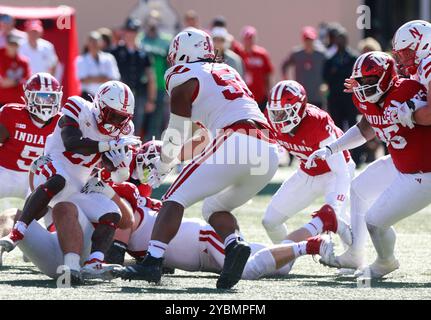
column 96, row 255
column 232, row 237
column 299, row 248
column 72, row 261
column 315, row 226
column 21, row 227
column 157, row 248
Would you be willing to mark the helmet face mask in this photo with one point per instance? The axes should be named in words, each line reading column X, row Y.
column 368, row 90
column 286, row 105
column 286, row 118
column 115, row 105
column 43, row 94
column 149, row 152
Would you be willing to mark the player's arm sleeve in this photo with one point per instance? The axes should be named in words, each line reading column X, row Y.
column 354, row 137
column 73, row 140
column 337, row 163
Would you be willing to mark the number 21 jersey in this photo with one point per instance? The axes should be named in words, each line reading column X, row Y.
column 221, row 98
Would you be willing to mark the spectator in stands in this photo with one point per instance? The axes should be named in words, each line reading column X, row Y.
column 40, row 53
column 340, row 105
column 334, row 29
column 308, row 61
column 156, row 44
column 107, row 36
column 221, row 44
column 234, row 45
column 191, row 19
column 258, row 66
column 369, row 44
column 7, row 26
column 136, row 72
column 14, row 71
column 95, row 67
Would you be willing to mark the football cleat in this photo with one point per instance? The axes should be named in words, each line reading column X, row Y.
column 344, row 232
column 325, row 248
column 97, row 269
column 331, row 222
column 9, row 242
column 378, row 269
column 350, row 259
column 1, row 256
column 237, row 254
column 149, row 269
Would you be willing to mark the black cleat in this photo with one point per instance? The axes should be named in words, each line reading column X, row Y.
column 76, row 278
column 237, row 254
column 116, row 253
column 150, row 269
column 168, row 270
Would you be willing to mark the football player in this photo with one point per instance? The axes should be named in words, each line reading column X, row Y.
column 412, row 51
column 24, row 129
column 83, row 133
column 202, row 90
column 392, row 187
column 302, row 128
column 205, row 250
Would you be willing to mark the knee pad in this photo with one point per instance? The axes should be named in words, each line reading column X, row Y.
column 273, row 218
column 54, row 185
column 260, row 264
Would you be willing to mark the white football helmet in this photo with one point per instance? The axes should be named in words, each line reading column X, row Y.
column 114, row 106
column 190, row 45
column 411, row 44
column 145, row 158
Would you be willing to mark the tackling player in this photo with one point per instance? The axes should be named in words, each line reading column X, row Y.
column 392, row 187
column 213, row 94
column 302, row 128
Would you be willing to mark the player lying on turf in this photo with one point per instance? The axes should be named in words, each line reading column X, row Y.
column 238, row 163
column 392, row 187
column 23, row 132
column 84, row 132
column 197, row 247
column 302, row 128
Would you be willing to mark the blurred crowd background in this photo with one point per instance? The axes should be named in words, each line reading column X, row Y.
column 312, row 41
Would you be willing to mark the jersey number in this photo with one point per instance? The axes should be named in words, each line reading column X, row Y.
column 235, row 87
column 388, row 136
column 28, row 155
column 79, row 159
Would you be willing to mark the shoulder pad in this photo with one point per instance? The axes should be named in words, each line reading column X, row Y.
column 176, row 76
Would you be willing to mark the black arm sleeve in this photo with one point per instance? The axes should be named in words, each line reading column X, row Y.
column 73, row 140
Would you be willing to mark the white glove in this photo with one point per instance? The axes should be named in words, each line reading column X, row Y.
column 94, row 185
column 119, row 143
column 322, row 153
column 401, row 113
column 158, row 172
column 39, row 162
column 120, row 158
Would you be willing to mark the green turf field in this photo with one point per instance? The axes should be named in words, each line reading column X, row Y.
column 308, row 279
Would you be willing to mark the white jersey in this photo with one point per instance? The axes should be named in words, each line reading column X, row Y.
column 76, row 165
column 186, row 251
column 222, row 97
column 423, row 75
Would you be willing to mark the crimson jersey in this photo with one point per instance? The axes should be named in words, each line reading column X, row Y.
column 406, row 146
column 316, row 127
column 26, row 141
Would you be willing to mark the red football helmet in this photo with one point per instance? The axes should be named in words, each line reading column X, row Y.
column 286, row 105
column 379, row 67
column 42, row 95
column 144, row 156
